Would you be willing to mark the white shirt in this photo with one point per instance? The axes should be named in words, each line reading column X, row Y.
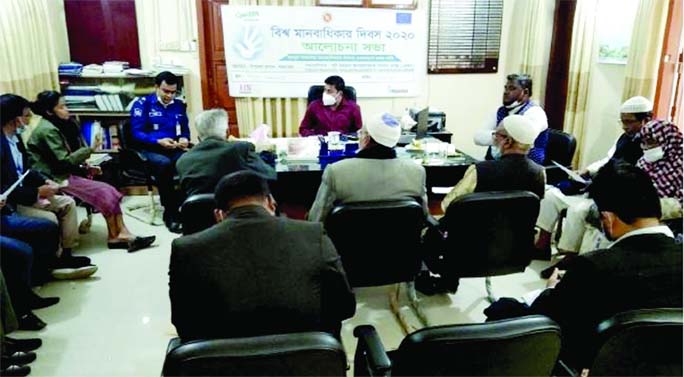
column 658, row 229
column 535, row 114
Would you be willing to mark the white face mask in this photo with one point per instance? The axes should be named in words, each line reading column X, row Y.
column 495, row 151
column 328, row 100
column 654, row 154
column 20, row 130
column 513, row 105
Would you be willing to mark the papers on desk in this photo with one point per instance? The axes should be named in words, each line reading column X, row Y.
column 7, row 192
column 97, row 159
column 575, row 177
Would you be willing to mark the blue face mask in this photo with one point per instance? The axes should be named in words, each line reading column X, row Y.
column 20, row 130
column 495, row 151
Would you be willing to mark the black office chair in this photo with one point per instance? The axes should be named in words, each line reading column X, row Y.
column 297, row 354
column 489, row 234
column 525, row 346
column 391, row 254
column 135, row 171
column 316, row 91
column 646, row 342
column 197, row 213
column 560, row 148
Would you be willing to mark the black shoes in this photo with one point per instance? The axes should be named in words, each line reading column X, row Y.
column 11, row 345
column 174, row 227
column 140, row 243
column 433, row 285
column 133, row 245
column 37, row 302
column 18, row 358
column 30, row 322
column 15, row 370
column 541, row 254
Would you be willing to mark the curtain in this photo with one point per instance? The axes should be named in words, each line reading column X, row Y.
column 645, row 49
column 582, row 55
column 530, row 42
column 282, row 114
column 28, row 59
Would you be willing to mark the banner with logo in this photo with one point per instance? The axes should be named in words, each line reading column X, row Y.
column 281, row 51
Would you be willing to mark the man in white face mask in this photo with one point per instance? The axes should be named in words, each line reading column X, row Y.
column 333, row 112
column 516, row 100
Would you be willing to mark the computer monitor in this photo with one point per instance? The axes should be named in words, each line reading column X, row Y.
column 422, row 126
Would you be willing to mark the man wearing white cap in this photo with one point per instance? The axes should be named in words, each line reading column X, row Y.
column 511, row 168
column 375, row 174
column 634, row 114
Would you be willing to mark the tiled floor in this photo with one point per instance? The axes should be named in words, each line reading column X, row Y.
column 117, row 323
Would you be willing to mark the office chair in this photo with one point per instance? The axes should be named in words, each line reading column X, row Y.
column 560, row 148
column 524, row 346
column 135, row 171
column 297, row 354
column 197, row 213
column 390, row 255
column 645, row 342
column 316, row 91
column 488, row 234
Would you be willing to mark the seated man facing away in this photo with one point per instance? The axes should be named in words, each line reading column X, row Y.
column 375, row 174
column 641, row 269
column 333, row 112
column 214, row 157
column 512, row 169
column 516, row 100
column 256, row 274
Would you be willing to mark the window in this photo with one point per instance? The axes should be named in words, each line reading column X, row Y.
column 464, row 36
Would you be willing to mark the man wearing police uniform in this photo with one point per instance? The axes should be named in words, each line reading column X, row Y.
column 159, row 126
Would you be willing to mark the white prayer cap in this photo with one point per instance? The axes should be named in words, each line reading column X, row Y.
column 384, row 129
column 520, row 129
column 636, row 104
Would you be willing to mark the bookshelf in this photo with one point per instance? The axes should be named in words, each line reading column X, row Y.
column 105, row 98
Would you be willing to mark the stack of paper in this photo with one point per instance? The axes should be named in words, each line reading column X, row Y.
column 114, row 66
column 109, row 102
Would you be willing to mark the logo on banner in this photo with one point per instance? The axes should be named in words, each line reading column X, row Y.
column 248, row 42
column 327, row 17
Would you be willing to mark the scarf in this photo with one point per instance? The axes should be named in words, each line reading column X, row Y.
column 665, row 173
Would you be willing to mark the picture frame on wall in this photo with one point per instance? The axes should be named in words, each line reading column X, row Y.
column 394, row 4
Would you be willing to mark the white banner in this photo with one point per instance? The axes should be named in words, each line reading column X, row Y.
column 281, row 51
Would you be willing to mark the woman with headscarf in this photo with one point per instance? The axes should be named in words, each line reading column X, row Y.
column 662, row 160
column 59, row 152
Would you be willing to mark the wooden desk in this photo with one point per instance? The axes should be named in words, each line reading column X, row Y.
column 298, row 181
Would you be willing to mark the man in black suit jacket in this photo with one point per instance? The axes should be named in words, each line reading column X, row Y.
column 254, row 273
column 641, row 269
column 214, row 157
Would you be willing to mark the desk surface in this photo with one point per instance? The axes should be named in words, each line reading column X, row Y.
column 313, row 165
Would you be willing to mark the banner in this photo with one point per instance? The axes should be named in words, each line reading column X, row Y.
column 281, row 51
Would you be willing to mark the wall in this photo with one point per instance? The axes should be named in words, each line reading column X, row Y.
column 603, row 111
column 467, row 99
column 614, row 23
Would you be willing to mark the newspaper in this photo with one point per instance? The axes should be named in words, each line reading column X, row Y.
column 572, row 174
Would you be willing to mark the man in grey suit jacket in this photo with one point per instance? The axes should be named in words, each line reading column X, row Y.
column 201, row 168
column 375, row 174
column 254, row 273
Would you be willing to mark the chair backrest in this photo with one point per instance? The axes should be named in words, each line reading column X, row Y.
column 560, row 148
column 125, row 134
column 645, row 342
column 197, row 213
column 379, row 242
column 297, row 354
column 524, row 346
column 316, row 91
column 490, row 233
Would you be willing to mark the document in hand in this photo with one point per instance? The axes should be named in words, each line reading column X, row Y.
column 7, row 192
column 575, row 177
